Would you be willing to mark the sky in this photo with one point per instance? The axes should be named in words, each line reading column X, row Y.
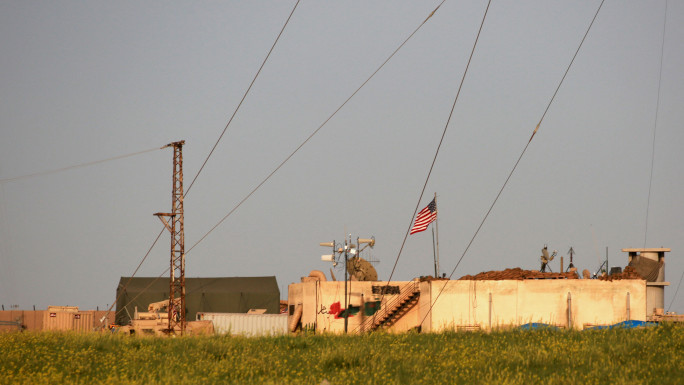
column 86, row 81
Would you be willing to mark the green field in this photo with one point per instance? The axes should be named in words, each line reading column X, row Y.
column 653, row 355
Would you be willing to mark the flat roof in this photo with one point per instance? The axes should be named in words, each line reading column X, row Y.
column 646, row 250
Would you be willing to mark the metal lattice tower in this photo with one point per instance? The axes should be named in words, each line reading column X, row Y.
column 176, row 307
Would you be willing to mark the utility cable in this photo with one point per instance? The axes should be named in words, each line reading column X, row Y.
column 514, row 166
column 444, row 131
column 133, row 275
column 244, row 96
column 441, row 140
column 123, row 290
column 676, row 291
column 310, row 136
column 48, row 172
column 316, row 130
column 90, row 164
column 655, row 125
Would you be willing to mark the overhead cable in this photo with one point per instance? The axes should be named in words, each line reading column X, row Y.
column 316, row 130
column 676, row 291
column 311, row 135
column 655, row 125
column 441, row 140
column 244, row 96
column 48, row 172
column 514, row 166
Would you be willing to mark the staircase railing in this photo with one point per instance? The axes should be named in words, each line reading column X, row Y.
column 392, row 305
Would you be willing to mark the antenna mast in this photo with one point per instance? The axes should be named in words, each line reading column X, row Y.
column 176, row 307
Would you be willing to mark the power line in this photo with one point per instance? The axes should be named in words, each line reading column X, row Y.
column 310, row 136
column 244, row 96
column 655, row 125
column 444, row 131
column 134, row 273
column 514, row 166
column 243, row 99
column 434, row 159
column 316, row 130
column 48, row 172
column 676, row 291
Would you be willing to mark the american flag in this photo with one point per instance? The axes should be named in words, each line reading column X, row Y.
column 425, row 217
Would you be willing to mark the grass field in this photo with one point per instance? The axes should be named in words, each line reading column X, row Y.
column 651, row 356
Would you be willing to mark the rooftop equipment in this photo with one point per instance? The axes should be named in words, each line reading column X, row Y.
column 650, row 264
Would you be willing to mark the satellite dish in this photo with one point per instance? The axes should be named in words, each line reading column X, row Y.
column 361, row 269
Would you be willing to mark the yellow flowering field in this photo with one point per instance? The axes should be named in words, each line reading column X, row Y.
column 653, row 355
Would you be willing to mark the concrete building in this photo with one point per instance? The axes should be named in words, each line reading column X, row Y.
column 485, row 302
column 436, row 305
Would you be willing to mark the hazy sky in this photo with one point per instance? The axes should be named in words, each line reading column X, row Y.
column 83, row 81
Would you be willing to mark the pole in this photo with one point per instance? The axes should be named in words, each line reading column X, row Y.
column 434, row 255
column 175, row 225
column 437, row 231
column 346, row 274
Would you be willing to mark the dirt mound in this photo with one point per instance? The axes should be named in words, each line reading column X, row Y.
column 517, row 274
column 628, row 273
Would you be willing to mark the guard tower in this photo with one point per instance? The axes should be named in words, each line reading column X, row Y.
column 650, row 264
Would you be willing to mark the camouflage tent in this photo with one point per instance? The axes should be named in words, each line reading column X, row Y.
column 220, row 295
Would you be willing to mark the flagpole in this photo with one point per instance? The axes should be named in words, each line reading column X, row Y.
column 434, row 255
column 437, row 231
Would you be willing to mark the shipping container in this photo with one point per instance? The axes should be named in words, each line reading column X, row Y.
column 83, row 321
column 62, row 318
column 246, row 324
column 70, row 319
column 58, row 320
column 70, row 309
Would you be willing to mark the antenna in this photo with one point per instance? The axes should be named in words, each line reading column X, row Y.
column 571, row 252
column 361, row 269
column 176, row 306
column 354, row 265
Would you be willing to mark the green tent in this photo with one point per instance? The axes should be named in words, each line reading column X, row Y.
column 217, row 295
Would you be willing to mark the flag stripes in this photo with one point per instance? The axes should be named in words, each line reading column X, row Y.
column 425, row 217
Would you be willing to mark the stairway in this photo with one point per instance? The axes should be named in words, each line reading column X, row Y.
column 393, row 310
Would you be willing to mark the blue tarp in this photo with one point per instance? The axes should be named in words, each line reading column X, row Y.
column 625, row 324
column 631, row 324
column 537, row 326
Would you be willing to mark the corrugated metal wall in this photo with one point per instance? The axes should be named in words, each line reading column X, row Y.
column 34, row 320
column 28, row 320
column 246, row 324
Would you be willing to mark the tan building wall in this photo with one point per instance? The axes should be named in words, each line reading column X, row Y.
column 466, row 305
column 321, row 302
